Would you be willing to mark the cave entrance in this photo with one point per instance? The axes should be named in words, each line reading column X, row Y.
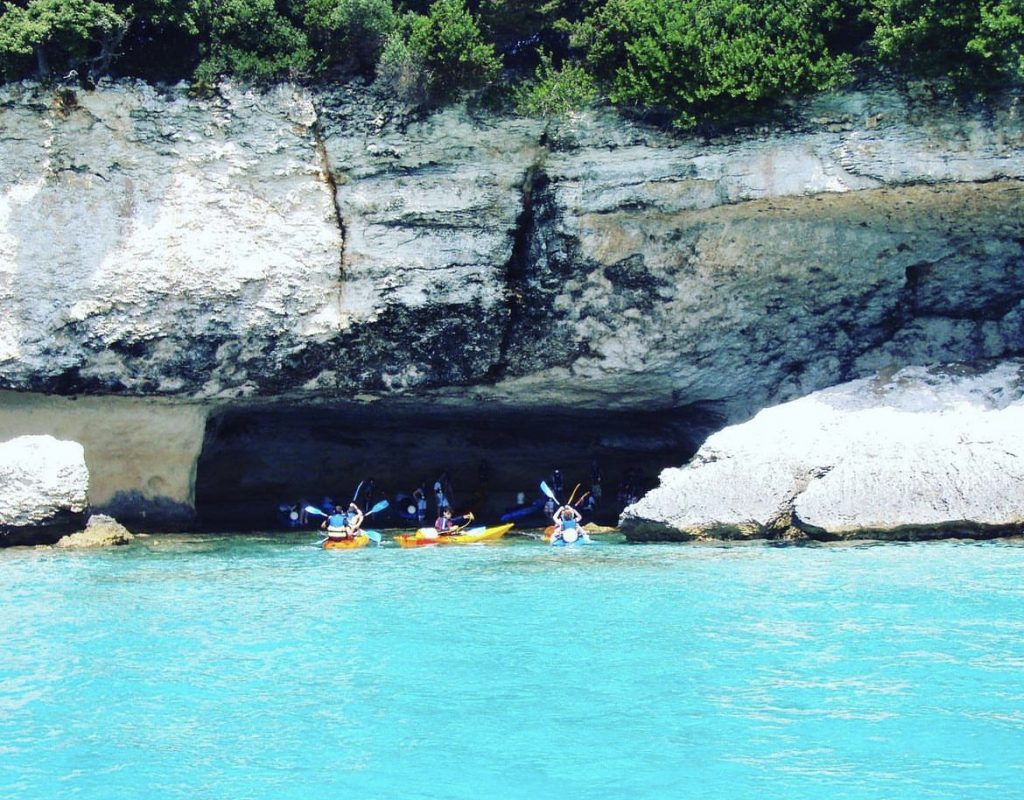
column 256, row 462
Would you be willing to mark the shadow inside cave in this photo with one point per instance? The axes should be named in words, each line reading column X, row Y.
column 257, row 459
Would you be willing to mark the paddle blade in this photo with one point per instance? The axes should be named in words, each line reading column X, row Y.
column 373, row 536
column 574, row 493
column 355, row 494
column 378, row 507
column 316, row 511
column 547, row 490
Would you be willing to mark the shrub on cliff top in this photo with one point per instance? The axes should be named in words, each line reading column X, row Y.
column 443, row 53
column 555, row 91
column 61, row 34
column 350, row 34
column 701, row 59
column 250, row 39
column 972, row 42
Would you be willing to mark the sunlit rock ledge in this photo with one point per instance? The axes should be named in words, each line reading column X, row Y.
column 920, row 453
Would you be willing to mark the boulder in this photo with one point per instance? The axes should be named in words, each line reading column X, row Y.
column 916, row 453
column 100, row 531
column 44, row 487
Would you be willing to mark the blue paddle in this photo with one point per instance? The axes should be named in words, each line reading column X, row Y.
column 547, row 490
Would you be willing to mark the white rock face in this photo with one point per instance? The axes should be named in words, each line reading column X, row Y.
column 919, row 452
column 136, row 224
column 309, row 245
column 43, row 481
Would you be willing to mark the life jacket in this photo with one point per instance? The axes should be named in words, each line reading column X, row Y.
column 337, row 522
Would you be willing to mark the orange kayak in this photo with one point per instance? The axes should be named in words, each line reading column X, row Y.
column 347, row 544
column 426, row 536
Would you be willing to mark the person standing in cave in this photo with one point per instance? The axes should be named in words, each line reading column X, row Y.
column 443, row 492
column 420, row 496
column 595, row 482
column 367, row 492
column 557, row 482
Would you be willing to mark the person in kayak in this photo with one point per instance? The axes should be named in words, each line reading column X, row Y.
column 567, row 524
column 445, row 525
column 344, row 524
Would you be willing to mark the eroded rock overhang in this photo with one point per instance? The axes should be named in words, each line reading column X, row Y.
column 293, row 249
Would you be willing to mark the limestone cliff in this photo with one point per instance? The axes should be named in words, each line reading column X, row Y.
column 303, row 246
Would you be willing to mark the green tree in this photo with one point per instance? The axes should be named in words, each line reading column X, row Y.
column 62, row 34
column 521, row 29
column 999, row 40
column 350, row 33
column 712, row 59
column 249, row 39
column 974, row 43
column 401, row 70
column 555, row 91
column 453, row 50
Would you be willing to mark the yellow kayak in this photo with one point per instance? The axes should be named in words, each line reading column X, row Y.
column 427, row 536
column 346, row 544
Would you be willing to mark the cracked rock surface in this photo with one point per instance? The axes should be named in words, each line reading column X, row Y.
column 314, row 244
column 315, row 247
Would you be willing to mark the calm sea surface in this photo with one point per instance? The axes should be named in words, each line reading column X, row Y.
column 260, row 667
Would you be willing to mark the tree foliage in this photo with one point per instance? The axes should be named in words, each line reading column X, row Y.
column 970, row 41
column 250, row 39
column 62, row 34
column 695, row 60
column 350, row 33
column 555, row 92
column 712, row 58
column 453, row 49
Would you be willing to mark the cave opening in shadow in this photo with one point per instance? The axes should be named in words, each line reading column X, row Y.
column 260, row 463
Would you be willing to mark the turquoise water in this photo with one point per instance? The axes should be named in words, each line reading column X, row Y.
column 229, row 667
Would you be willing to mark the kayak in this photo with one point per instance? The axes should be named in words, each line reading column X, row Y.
column 347, row 544
column 427, row 536
column 519, row 512
column 580, row 542
column 580, row 538
column 588, row 529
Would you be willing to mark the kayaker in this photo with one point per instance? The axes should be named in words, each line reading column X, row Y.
column 445, row 525
column 344, row 524
column 567, row 524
